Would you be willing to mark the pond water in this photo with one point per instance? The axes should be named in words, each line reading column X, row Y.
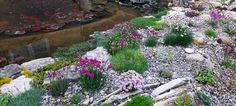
column 36, row 45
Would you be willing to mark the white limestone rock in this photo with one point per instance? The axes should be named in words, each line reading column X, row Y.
column 38, row 63
column 16, row 86
column 172, row 84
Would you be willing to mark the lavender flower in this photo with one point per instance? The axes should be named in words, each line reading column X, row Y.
column 215, row 15
column 130, row 80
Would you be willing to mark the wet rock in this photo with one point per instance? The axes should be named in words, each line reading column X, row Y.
column 20, row 32
column 16, row 86
column 172, row 84
column 38, row 63
column 11, row 71
column 195, row 56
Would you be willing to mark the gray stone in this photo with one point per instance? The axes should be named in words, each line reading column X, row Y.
column 195, row 56
column 38, row 63
column 189, row 50
column 11, row 70
column 172, row 84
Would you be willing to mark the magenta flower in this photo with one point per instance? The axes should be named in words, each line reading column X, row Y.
column 87, row 73
column 215, row 15
column 83, row 62
column 109, row 66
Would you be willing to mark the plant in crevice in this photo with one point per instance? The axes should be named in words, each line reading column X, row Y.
column 130, row 81
column 75, row 99
column 92, row 77
column 164, row 54
column 205, row 76
column 165, row 73
column 179, row 36
column 151, row 42
column 184, row 100
column 210, row 33
column 228, row 64
column 129, row 59
column 140, row 101
column 58, row 87
column 201, row 98
column 230, row 30
column 162, row 12
column 159, row 25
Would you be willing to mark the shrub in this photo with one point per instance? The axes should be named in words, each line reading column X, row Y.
column 192, row 14
column 92, row 77
column 162, row 12
column 144, row 22
column 210, row 33
column 101, row 39
column 124, row 36
column 140, row 101
column 129, row 59
column 203, row 99
column 228, row 64
column 39, row 75
column 159, row 25
column 164, row 54
column 213, row 23
column 205, row 76
column 58, row 87
column 229, row 30
column 31, row 97
column 151, row 41
column 179, row 36
column 67, row 54
column 166, row 73
column 5, row 100
column 130, row 81
column 183, row 101
column 75, row 99
column 5, row 80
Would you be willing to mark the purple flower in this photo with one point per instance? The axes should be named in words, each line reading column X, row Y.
column 83, row 62
column 215, row 15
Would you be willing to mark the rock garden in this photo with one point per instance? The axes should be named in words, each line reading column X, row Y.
column 179, row 56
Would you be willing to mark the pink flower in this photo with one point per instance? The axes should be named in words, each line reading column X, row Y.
column 109, row 66
column 83, row 62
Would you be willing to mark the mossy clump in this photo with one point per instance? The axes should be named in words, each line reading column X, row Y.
column 140, row 101
column 151, row 42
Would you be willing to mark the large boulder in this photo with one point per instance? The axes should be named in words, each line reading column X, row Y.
column 16, row 86
column 38, row 63
column 12, row 71
column 99, row 53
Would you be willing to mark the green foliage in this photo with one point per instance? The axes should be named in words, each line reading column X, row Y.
column 113, row 46
column 184, row 101
column 179, row 36
column 210, row 33
column 162, row 12
column 31, row 97
column 213, row 23
column 159, row 25
column 204, row 98
column 205, row 76
column 38, row 76
column 228, row 64
column 166, row 73
column 58, row 87
column 144, row 22
column 75, row 99
column 129, row 59
column 5, row 100
column 229, row 30
column 74, row 50
column 105, row 104
column 92, row 83
column 151, row 42
column 140, row 101
column 101, row 40
column 164, row 54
